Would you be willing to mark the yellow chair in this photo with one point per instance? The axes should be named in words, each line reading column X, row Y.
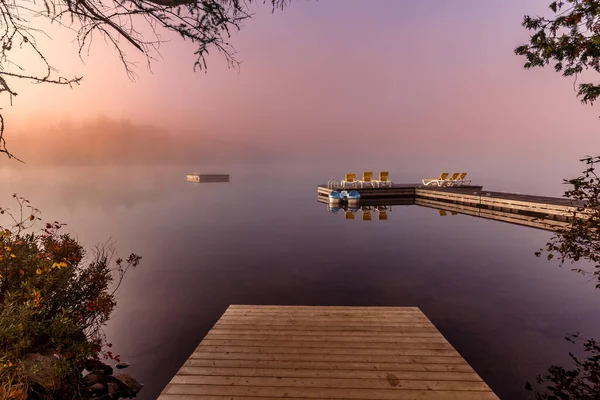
column 452, row 179
column 384, row 179
column 435, row 181
column 348, row 215
column 367, row 177
column 382, row 215
column 461, row 179
column 366, row 216
column 442, row 213
column 349, row 178
column 453, row 212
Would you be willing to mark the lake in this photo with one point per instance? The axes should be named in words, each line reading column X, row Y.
column 264, row 239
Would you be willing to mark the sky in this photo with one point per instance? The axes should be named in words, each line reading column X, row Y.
column 410, row 87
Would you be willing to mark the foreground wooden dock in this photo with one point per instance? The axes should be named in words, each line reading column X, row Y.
column 302, row 352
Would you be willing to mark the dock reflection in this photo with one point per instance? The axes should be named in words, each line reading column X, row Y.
column 366, row 213
column 370, row 209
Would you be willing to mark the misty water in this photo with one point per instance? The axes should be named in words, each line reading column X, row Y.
column 264, row 239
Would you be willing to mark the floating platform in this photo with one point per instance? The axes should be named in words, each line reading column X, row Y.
column 207, row 178
column 530, row 206
column 303, row 352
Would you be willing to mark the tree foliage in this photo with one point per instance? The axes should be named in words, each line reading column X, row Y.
column 570, row 41
column 124, row 24
column 582, row 382
column 580, row 240
column 52, row 297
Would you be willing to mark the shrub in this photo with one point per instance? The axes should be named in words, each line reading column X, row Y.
column 52, row 297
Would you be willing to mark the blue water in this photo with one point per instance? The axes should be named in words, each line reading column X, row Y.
column 264, row 239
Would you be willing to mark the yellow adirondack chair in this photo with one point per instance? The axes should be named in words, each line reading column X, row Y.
column 349, row 178
column 384, row 179
column 367, row 177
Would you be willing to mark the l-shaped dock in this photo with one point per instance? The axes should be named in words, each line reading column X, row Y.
column 306, row 352
column 549, row 213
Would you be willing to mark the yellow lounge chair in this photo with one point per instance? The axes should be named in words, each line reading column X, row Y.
column 461, row 179
column 384, row 179
column 367, row 177
column 349, row 178
column 435, row 181
column 452, row 179
column 366, row 215
column 348, row 215
column 382, row 215
column 442, row 213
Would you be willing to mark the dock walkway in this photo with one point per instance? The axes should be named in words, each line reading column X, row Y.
column 538, row 206
column 303, row 352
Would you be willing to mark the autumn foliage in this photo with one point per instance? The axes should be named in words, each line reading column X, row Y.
column 52, row 296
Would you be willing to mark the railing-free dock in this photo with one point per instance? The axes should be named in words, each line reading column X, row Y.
column 529, row 207
column 304, row 352
column 207, row 178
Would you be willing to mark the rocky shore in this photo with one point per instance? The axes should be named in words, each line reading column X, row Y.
column 97, row 381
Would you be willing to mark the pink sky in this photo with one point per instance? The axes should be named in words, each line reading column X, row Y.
column 423, row 85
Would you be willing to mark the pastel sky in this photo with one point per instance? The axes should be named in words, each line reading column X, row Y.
column 424, row 85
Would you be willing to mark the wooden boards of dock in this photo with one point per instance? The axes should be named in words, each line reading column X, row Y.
column 531, row 209
column 207, row 178
column 304, row 352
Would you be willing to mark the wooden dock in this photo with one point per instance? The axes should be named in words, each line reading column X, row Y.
column 550, row 223
column 474, row 196
column 207, row 178
column 304, row 352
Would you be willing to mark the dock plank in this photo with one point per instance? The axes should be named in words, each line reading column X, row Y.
column 306, row 352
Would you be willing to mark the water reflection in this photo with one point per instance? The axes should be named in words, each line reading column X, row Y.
column 262, row 239
column 379, row 208
column 379, row 213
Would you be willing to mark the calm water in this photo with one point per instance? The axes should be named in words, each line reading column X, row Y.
column 264, row 239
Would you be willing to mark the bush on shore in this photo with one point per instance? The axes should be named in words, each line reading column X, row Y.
column 54, row 301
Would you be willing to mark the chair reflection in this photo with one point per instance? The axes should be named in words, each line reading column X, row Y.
column 366, row 212
column 443, row 213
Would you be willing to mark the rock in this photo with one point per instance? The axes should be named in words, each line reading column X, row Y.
column 133, row 386
column 113, row 388
column 122, row 365
column 97, row 365
column 39, row 369
column 96, row 387
column 92, row 378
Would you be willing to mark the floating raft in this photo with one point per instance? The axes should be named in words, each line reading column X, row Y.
column 300, row 352
column 206, row 178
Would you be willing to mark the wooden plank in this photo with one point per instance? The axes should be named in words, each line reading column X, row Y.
column 401, row 318
column 390, row 382
column 331, row 373
column 202, row 348
column 324, row 345
column 324, row 322
column 420, row 333
column 218, row 397
column 323, row 308
column 306, row 352
column 308, row 340
column 470, row 396
column 324, row 365
column 317, row 313
column 333, row 328
column 329, row 358
column 330, row 393
column 333, row 313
